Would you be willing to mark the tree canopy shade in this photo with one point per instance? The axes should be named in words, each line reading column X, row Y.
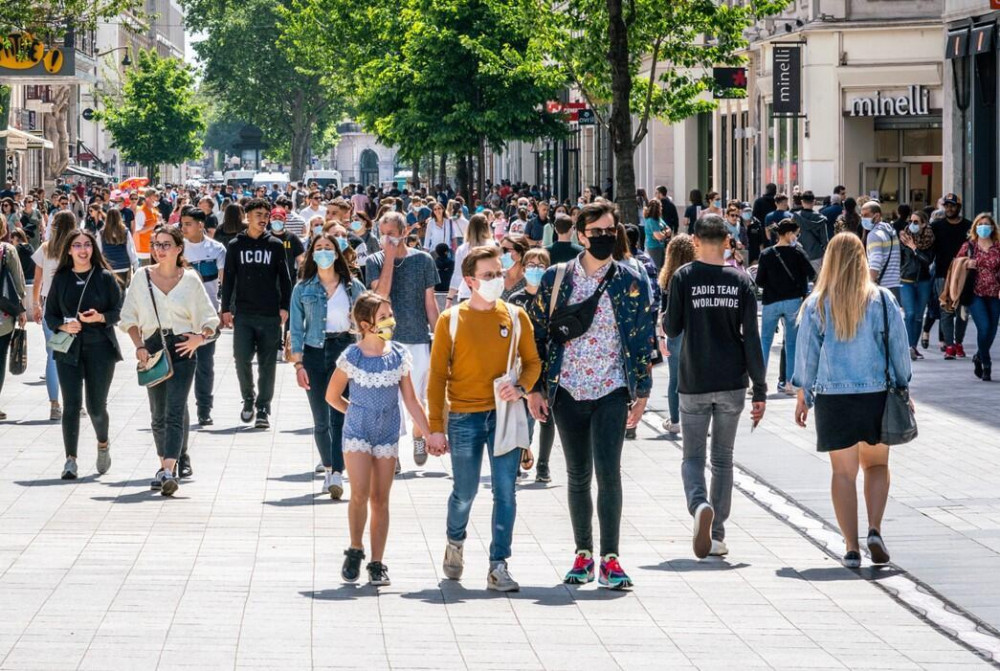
column 446, row 76
column 157, row 119
column 49, row 20
column 646, row 59
column 253, row 79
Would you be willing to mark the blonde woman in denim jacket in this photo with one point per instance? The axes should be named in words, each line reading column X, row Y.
column 840, row 369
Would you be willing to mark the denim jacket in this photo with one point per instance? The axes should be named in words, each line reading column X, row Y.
column 826, row 365
column 629, row 296
column 307, row 314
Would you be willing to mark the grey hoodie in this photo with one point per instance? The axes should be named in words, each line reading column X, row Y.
column 812, row 233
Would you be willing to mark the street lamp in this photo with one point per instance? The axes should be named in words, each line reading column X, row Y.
column 127, row 61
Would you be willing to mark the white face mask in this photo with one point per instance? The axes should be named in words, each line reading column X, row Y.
column 490, row 290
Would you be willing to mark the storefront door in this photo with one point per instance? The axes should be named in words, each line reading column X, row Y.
column 885, row 182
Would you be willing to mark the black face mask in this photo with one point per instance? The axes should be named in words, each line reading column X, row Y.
column 602, row 248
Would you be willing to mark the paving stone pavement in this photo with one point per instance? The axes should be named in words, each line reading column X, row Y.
column 241, row 569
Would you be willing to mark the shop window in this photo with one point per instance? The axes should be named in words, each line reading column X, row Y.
column 922, row 142
column 886, row 145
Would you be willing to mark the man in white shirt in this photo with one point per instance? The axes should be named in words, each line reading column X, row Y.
column 208, row 258
column 314, row 208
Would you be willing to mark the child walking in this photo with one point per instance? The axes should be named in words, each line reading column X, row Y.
column 378, row 370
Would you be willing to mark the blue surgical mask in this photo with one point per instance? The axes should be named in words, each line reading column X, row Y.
column 342, row 243
column 867, row 223
column 507, row 261
column 717, row 203
column 533, row 276
column 746, row 216
column 914, row 228
column 317, row 230
column 356, row 225
column 277, row 225
column 984, row 230
column 324, row 258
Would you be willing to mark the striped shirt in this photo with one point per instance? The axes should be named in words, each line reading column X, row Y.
column 884, row 253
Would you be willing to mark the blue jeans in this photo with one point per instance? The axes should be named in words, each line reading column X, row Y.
column 914, row 296
column 51, row 374
column 328, row 423
column 985, row 313
column 786, row 311
column 673, row 366
column 468, row 434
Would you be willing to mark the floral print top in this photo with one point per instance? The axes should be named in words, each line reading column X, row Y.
column 987, row 268
column 592, row 364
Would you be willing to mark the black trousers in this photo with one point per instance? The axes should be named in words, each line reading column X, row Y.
column 204, row 378
column 328, row 423
column 168, row 405
column 92, row 374
column 4, row 349
column 592, row 435
column 256, row 334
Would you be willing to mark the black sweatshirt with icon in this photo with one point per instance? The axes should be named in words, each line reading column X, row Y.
column 256, row 281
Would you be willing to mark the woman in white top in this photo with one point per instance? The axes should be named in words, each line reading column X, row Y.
column 440, row 229
column 188, row 319
column 46, row 259
column 479, row 236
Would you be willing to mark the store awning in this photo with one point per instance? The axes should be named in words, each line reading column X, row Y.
column 982, row 38
column 33, row 141
column 958, row 43
column 86, row 172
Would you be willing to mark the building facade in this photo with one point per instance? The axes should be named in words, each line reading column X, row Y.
column 361, row 158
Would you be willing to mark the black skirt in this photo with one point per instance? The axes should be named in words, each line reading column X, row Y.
column 844, row 420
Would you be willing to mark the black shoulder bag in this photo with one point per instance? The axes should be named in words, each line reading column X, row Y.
column 899, row 425
column 572, row 321
column 9, row 302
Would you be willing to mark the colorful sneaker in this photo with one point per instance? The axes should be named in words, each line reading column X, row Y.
column 959, row 350
column 583, row 569
column 949, row 352
column 612, row 575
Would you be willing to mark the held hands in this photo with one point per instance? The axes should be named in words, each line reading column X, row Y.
column 437, row 444
column 663, row 348
column 972, row 264
column 538, row 406
column 191, row 342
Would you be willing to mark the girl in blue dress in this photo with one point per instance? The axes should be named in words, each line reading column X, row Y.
column 378, row 370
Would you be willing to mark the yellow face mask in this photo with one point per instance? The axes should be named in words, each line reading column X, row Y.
column 384, row 328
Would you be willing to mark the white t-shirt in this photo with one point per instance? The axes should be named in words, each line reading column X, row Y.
column 47, row 265
column 207, row 258
column 338, row 311
column 308, row 213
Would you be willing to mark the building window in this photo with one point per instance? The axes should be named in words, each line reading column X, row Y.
column 369, row 168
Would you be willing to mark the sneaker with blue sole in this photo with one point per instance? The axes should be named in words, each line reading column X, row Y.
column 583, row 569
column 612, row 575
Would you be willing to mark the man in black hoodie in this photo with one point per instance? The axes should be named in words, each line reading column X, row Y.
column 257, row 289
column 813, row 235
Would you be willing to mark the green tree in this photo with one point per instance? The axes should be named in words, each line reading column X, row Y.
column 48, row 21
column 253, row 79
column 646, row 59
column 157, row 120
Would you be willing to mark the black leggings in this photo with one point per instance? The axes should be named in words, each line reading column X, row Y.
column 93, row 373
column 4, row 348
column 168, row 401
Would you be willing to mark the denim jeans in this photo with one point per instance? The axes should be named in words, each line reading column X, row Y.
column 592, row 434
column 51, row 372
column 673, row 367
column 468, row 434
column 256, row 334
column 204, row 378
column 985, row 312
column 168, row 404
column 787, row 312
column 721, row 409
column 952, row 325
column 328, row 424
column 92, row 375
column 915, row 296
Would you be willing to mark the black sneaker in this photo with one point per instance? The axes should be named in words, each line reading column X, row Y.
column 852, row 559
column 246, row 415
column 925, row 340
column 352, row 564
column 184, row 466
column 630, row 434
column 977, row 366
column 378, row 574
column 987, row 372
column 542, row 475
column 205, row 419
column 262, row 421
column 157, row 482
column 876, row 547
column 168, row 484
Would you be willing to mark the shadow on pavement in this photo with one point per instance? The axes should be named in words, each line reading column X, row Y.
column 834, row 573
column 452, row 592
column 53, row 482
column 343, row 593
column 231, row 431
column 304, row 500
column 691, row 565
column 305, row 431
column 297, row 477
column 140, row 496
column 36, row 422
column 421, row 475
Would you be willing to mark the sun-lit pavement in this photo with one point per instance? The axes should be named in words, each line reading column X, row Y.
column 242, row 568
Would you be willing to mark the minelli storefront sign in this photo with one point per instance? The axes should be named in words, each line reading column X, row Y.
column 917, row 102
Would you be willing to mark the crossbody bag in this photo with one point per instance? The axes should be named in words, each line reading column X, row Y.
column 158, row 368
column 572, row 321
column 60, row 340
column 899, row 425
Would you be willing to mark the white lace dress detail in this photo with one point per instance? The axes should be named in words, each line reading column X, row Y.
column 373, row 415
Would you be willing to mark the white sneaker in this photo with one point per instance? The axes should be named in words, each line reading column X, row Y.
column 671, row 427
column 702, row 533
column 499, row 578
column 320, row 468
column 454, row 563
column 334, row 483
column 719, row 549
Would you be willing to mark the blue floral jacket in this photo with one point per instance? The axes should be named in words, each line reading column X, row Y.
column 629, row 294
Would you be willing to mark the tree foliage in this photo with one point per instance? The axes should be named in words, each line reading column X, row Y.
column 157, row 120
column 48, row 21
column 253, row 79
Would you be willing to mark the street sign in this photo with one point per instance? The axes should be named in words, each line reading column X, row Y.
column 586, row 117
column 730, row 81
column 14, row 143
column 88, row 114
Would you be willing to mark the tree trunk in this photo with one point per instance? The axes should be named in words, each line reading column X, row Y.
column 462, row 176
column 415, row 174
column 443, row 171
column 432, row 166
column 300, row 146
column 620, row 122
column 57, row 132
column 481, row 170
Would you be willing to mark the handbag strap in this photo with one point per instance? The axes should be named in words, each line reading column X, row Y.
column 79, row 303
column 783, row 265
column 885, row 340
column 515, row 336
column 152, row 297
column 560, row 275
column 888, row 259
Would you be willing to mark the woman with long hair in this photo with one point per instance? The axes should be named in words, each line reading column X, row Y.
column 167, row 307
column 320, row 324
column 513, row 248
column 713, row 203
column 232, row 224
column 693, row 211
column 46, row 259
column 9, row 215
column 983, row 248
column 478, row 236
column 916, row 241
column 118, row 248
column 440, row 229
column 680, row 252
column 849, row 220
column 840, row 369
column 657, row 233
column 85, row 302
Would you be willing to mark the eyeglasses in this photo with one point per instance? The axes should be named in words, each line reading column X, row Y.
column 82, row 245
column 601, row 232
column 162, row 246
column 489, row 276
column 536, row 265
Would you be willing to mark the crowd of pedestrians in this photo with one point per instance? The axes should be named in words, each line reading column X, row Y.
column 473, row 326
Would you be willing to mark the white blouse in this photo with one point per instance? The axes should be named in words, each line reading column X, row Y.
column 338, row 311
column 186, row 309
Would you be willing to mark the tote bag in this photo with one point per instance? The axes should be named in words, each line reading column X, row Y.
column 512, row 418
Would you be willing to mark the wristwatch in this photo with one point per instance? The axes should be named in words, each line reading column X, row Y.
column 521, row 390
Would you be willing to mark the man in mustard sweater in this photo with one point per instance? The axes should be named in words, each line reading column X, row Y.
column 466, row 367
